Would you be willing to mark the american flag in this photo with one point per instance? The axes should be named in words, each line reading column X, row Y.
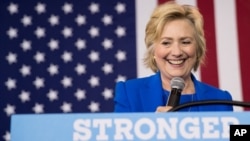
column 66, row 56
column 63, row 56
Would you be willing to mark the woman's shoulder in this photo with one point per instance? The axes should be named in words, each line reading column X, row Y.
column 203, row 85
column 141, row 79
column 210, row 90
column 209, row 87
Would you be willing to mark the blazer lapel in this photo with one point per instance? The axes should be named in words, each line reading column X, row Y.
column 200, row 92
column 152, row 92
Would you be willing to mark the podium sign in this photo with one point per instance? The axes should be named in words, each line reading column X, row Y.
column 178, row 126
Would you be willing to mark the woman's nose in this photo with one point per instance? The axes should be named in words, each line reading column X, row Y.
column 176, row 49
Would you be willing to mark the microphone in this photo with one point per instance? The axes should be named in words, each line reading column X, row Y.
column 177, row 85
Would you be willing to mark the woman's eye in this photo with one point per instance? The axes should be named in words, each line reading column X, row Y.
column 165, row 43
column 186, row 42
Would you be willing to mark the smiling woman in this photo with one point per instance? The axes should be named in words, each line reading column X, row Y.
column 175, row 46
column 175, row 52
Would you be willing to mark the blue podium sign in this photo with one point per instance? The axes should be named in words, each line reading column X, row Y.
column 178, row 126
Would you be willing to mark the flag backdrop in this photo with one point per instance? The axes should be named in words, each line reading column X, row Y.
column 66, row 56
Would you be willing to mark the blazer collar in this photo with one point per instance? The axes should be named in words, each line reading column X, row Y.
column 152, row 92
column 199, row 88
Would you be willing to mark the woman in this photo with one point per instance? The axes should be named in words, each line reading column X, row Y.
column 175, row 46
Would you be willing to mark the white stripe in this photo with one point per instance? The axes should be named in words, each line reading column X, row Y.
column 144, row 8
column 189, row 2
column 194, row 3
column 227, row 48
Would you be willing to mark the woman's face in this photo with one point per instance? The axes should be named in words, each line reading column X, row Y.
column 175, row 51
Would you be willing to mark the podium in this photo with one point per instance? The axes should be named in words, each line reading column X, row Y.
column 177, row 126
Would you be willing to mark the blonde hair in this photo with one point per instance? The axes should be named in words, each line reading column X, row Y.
column 165, row 13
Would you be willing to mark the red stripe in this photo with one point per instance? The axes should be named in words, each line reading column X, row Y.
column 209, row 71
column 243, row 20
column 162, row 1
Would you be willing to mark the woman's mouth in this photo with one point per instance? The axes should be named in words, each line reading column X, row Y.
column 176, row 62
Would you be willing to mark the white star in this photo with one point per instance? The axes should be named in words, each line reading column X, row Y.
column 26, row 45
column 13, row 8
column 40, row 8
column 10, row 83
column 53, row 20
column 38, row 108
column 94, row 56
column 7, row 136
column 120, row 55
column 66, row 82
column 38, row 82
column 120, row 78
column 67, row 8
column 39, row 57
column 40, row 32
column 11, row 58
column 80, row 69
column 120, row 8
column 12, row 33
column 52, row 95
column 53, row 44
column 53, row 69
column 80, row 44
column 80, row 20
column 10, row 109
column 94, row 32
column 80, row 94
column 107, row 43
column 94, row 8
column 107, row 93
column 107, row 19
column 67, row 56
column 25, row 70
column 94, row 106
column 24, row 96
column 67, row 32
column 107, row 68
column 66, row 107
column 120, row 31
column 26, row 20
column 94, row 81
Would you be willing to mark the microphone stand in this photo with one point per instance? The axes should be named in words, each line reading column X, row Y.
column 210, row 102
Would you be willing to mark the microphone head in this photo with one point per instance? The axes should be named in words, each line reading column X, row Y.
column 177, row 82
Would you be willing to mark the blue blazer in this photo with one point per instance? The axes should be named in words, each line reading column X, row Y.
column 146, row 94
